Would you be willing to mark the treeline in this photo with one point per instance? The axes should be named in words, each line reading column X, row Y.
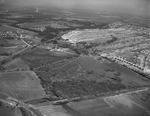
column 112, row 40
column 50, row 33
column 80, row 88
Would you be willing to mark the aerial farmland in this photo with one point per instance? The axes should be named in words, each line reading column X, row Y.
column 11, row 83
column 73, row 62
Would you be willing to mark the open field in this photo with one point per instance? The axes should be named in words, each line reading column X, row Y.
column 14, row 29
column 10, row 50
column 139, row 21
column 112, row 72
column 41, row 24
column 53, row 110
column 8, row 28
column 93, row 17
column 6, row 21
column 53, row 24
column 23, row 86
column 4, row 42
column 2, row 57
column 10, row 42
column 16, row 64
column 129, row 104
column 16, row 42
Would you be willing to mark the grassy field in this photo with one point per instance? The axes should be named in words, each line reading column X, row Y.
column 53, row 110
column 21, row 85
column 3, row 21
column 16, row 42
column 8, row 42
column 4, row 43
column 10, row 50
column 16, row 64
column 2, row 57
column 93, row 17
column 14, row 29
column 52, row 24
column 113, row 71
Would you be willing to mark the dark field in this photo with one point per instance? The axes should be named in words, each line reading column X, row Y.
column 86, row 77
column 39, row 57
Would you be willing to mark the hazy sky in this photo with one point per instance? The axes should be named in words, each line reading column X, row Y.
column 129, row 5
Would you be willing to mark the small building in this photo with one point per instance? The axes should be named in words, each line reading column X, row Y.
column 22, row 36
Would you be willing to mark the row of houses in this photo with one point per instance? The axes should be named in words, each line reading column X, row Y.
column 123, row 61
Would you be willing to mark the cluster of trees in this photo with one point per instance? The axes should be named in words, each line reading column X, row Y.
column 49, row 33
column 79, row 49
column 71, row 88
column 81, row 88
column 112, row 40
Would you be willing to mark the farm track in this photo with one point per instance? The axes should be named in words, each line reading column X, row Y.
column 62, row 66
column 16, row 72
column 54, row 63
column 48, row 64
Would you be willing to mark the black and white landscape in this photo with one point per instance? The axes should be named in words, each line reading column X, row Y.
column 74, row 58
